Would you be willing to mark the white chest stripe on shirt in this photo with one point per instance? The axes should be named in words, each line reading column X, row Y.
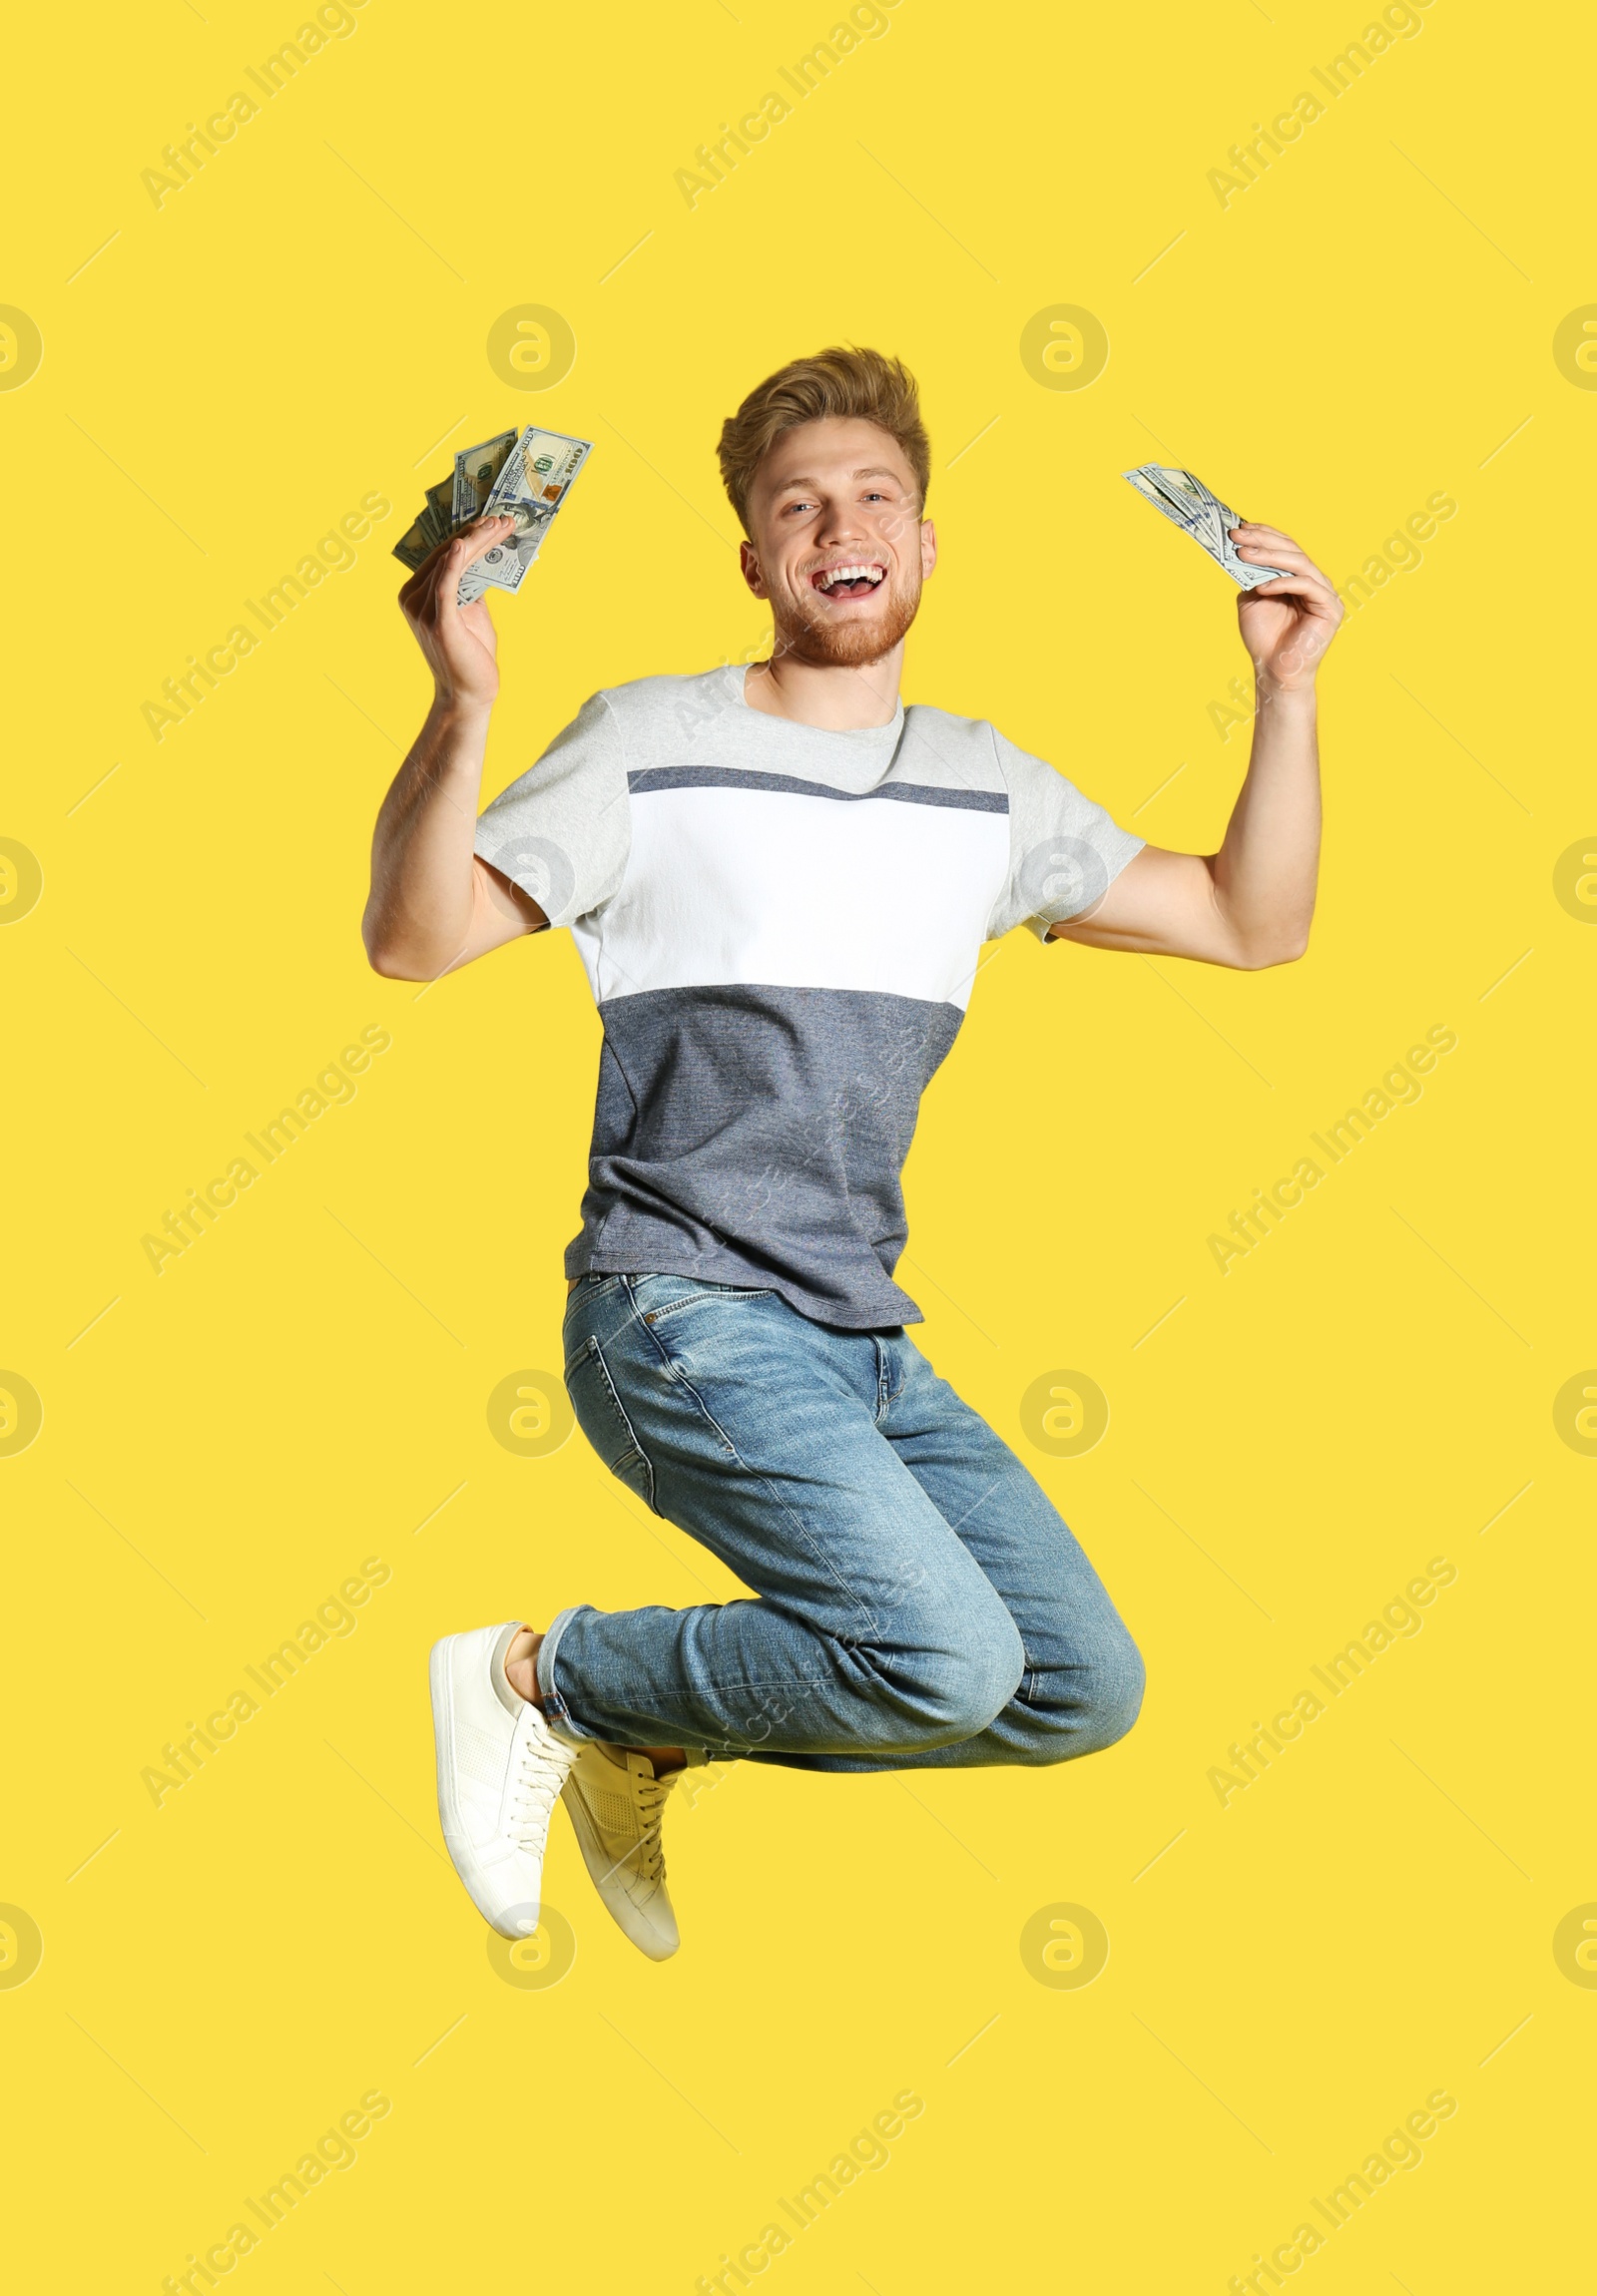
column 753, row 884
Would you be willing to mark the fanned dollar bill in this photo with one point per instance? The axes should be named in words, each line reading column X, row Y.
column 525, row 478
column 537, row 471
column 437, row 515
column 536, row 477
column 504, row 567
column 476, row 468
column 1188, row 503
column 412, row 547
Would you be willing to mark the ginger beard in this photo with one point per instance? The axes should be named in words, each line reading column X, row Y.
column 842, row 635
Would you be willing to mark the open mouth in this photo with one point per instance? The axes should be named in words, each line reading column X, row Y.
column 858, row 579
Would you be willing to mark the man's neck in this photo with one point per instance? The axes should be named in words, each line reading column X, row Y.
column 835, row 701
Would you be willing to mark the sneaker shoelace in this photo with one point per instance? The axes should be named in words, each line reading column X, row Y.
column 537, row 1791
column 650, row 1798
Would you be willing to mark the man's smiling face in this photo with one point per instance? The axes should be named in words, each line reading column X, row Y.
column 839, row 546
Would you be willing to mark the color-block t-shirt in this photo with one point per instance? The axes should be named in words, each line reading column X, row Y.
column 781, row 927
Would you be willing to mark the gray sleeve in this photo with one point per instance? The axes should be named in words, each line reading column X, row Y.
column 563, row 831
column 1064, row 851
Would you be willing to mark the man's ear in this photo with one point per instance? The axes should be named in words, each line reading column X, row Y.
column 929, row 546
column 751, row 569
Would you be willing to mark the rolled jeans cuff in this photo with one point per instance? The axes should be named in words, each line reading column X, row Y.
column 556, row 1712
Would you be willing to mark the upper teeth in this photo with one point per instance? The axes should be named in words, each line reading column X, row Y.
column 834, row 573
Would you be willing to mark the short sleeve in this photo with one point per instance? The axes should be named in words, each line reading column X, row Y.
column 562, row 833
column 1064, row 850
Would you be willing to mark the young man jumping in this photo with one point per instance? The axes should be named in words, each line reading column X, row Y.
column 779, row 880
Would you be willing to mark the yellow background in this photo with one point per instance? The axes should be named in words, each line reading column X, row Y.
column 224, row 377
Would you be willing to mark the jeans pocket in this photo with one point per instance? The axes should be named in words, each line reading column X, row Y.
column 602, row 1416
column 679, row 1293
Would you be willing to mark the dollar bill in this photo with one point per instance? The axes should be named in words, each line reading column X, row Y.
column 1189, row 503
column 435, row 524
column 476, row 468
column 531, row 487
column 412, row 547
column 525, row 478
column 504, row 567
column 537, row 474
column 438, row 517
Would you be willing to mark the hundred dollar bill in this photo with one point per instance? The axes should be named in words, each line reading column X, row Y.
column 537, row 474
column 437, row 518
column 412, row 547
column 476, row 468
column 525, row 478
column 441, row 517
column 531, row 487
column 1188, row 503
column 504, row 567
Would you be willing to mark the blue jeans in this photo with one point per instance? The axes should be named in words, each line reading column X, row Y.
column 921, row 1604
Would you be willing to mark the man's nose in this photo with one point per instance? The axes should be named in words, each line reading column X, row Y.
column 841, row 522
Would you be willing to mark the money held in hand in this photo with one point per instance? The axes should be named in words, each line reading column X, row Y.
column 1186, row 501
column 525, row 479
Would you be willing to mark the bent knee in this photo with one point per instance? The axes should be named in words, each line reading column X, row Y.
column 1116, row 1694
column 949, row 1684
column 1083, row 1709
column 978, row 1683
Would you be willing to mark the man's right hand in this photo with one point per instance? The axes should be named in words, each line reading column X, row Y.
column 459, row 640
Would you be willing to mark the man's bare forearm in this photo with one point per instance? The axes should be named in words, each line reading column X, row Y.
column 423, row 897
column 1266, row 870
column 432, row 905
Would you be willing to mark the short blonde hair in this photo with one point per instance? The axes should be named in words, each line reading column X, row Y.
column 847, row 382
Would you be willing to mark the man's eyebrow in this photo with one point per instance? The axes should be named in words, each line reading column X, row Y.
column 872, row 470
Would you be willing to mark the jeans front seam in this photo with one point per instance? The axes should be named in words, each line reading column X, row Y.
column 597, row 1353
column 678, row 1378
column 675, row 1372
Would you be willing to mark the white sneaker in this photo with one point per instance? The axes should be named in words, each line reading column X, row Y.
column 500, row 1771
column 616, row 1805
